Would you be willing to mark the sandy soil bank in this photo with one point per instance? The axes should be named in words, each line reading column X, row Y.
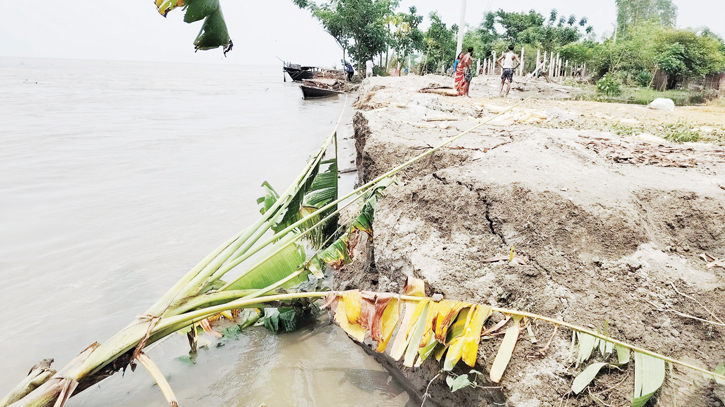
column 613, row 229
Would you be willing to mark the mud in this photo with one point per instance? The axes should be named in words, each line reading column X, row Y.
column 607, row 239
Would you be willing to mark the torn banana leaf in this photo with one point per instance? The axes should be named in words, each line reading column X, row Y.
column 411, row 353
column 505, row 351
column 402, row 339
column 649, row 374
column 353, row 307
column 466, row 346
column 389, row 321
column 164, row 6
column 356, row 331
column 214, row 33
column 584, row 378
column 373, row 308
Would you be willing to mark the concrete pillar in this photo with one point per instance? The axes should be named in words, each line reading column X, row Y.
column 552, row 62
column 494, row 62
column 478, row 66
column 521, row 69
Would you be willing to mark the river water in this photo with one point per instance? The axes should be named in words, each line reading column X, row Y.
column 115, row 179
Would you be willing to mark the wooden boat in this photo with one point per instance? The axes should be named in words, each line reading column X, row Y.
column 315, row 92
column 300, row 73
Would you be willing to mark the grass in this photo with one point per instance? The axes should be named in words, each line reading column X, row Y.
column 680, row 132
column 645, row 96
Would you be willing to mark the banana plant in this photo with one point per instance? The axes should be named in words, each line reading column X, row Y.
column 303, row 211
column 213, row 33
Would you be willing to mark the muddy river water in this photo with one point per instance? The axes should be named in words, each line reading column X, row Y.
column 115, row 179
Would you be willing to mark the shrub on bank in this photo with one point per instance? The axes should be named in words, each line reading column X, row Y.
column 608, row 85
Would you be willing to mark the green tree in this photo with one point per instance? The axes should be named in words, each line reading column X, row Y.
column 358, row 26
column 632, row 12
column 515, row 23
column 407, row 38
column 440, row 43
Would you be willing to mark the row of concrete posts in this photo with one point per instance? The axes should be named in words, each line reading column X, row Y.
column 553, row 66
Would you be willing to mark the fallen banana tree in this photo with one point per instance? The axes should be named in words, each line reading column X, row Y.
column 292, row 226
column 304, row 211
column 424, row 328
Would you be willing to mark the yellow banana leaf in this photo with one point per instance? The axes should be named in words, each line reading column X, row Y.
column 351, row 300
column 473, row 334
column 455, row 348
column 401, row 339
column 415, row 287
column 411, row 352
column 447, row 312
column 390, row 319
column 356, row 331
column 164, row 6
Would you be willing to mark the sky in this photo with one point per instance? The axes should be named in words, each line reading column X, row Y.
column 261, row 30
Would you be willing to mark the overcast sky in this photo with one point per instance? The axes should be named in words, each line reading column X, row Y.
column 261, row 29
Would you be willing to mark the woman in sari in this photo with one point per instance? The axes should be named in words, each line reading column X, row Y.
column 463, row 72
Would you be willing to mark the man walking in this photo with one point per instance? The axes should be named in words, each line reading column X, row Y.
column 508, row 69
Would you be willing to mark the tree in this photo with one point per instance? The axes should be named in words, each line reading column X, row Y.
column 407, row 37
column 440, row 43
column 332, row 22
column 633, row 12
column 358, row 26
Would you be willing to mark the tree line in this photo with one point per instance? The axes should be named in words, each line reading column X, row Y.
column 645, row 39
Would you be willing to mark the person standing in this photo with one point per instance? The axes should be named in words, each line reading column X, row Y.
column 463, row 72
column 509, row 62
column 349, row 71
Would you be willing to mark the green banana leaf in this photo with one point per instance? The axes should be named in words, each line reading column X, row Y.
column 213, row 33
column 280, row 266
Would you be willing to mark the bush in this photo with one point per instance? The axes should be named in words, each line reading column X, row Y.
column 644, row 79
column 379, row 71
column 609, row 86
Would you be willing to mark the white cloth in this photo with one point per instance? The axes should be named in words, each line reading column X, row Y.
column 508, row 61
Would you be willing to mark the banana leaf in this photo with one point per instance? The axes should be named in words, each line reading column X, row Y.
column 213, row 33
column 199, row 9
column 274, row 269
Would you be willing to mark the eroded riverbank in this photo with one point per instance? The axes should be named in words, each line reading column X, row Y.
column 612, row 231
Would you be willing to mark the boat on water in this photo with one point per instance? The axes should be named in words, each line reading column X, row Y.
column 314, row 92
column 322, row 88
column 300, row 73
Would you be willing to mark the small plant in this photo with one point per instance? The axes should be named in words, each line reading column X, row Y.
column 609, row 86
column 681, row 132
column 644, row 79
